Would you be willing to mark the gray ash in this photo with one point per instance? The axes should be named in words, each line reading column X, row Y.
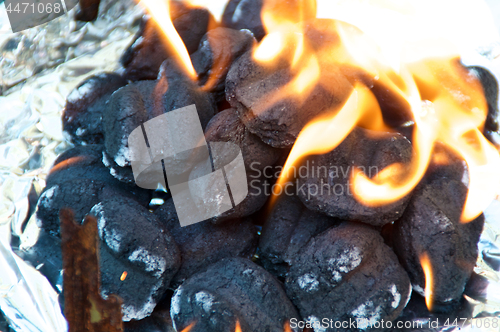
column 228, row 291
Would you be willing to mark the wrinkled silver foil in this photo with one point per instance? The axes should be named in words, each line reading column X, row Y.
column 38, row 68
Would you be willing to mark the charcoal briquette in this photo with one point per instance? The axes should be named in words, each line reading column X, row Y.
column 250, row 87
column 204, row 243
column 288, row 228
column 326, row 185
column 229, row 291
column 132, row 241
column 136, row 103
column 226, row 126
column 85, row 162
column 348, row 273
column 82, row 115
column 431, row 225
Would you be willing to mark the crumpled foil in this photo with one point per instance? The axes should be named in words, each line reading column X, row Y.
column 38, row 68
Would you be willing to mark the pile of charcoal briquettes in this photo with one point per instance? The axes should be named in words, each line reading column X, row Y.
column 302, row 258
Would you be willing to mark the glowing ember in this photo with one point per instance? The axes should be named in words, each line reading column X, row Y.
column 123, row 276
column 160, row 11
column 426, row 266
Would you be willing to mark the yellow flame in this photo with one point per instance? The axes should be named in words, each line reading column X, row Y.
column 238, row 327
column 429, row 281
column 160, row 12
column 446, row 102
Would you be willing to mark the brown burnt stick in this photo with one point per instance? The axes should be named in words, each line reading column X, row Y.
column 251, row 88
column 431, row 225
column 85, row 162
column 229, row 291
column 82, row 115
column 138, row 102
column 327, row 185
column 289, row 227
column 144, row 56
column 348, row 273
column 217, row 51
column 133, row 241
column 85, row 309
column 203, row 243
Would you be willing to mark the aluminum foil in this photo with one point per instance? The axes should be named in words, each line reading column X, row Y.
column 38, row 69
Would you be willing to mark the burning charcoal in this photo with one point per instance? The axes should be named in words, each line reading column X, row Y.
column 246, row 14
column 88, row 11
column 264, row 96
column 78, row 179
column 217, row 50
column 138, row 257
column 146, row 53
column 289, row 227
column 257, row 187
column 348, row 273
column 136, row 103
column 45, row 255
column 85, row 162
column 79, row 194
column 324, row 182
column 203, row 243
column 227, row 127
column 230, row 291
column 431, row 226
column 82, row 116
column 249, row 87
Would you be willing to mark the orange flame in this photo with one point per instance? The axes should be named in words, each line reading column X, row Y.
column 429, row 281
column 238, row 327
column 189, row 327
column 160, row 12
column 123, row 276
column 446, row 102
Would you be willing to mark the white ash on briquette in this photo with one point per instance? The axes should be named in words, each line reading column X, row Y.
column 334, row 266
column 229, row 291
column 204, row 243
column 80, row 180
column 83, row 123
column 342, row 261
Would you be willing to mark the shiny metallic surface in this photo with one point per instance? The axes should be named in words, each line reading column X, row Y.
column 39, row 67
